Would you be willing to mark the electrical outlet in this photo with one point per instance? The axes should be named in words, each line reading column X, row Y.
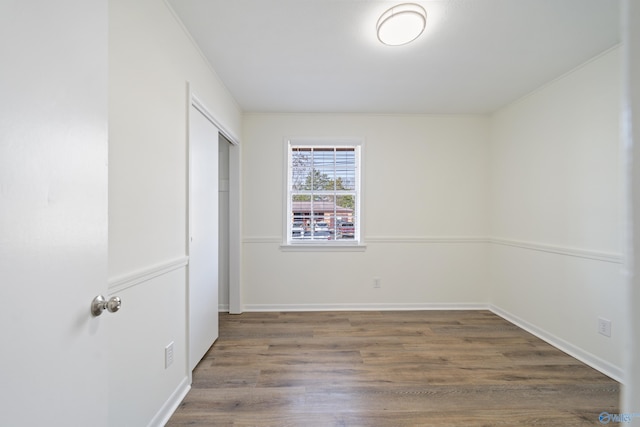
column 604, row 327
column 376, row 282
column 168, row 355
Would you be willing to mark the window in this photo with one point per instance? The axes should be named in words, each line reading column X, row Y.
column 323, row 192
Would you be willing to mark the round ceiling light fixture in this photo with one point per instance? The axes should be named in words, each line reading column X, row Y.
column 401, row 24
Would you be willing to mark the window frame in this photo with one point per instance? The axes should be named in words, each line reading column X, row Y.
column 288, row 243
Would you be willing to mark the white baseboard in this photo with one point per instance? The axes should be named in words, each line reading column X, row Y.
column 365, row 307
column 166, row 411
column 608, row 369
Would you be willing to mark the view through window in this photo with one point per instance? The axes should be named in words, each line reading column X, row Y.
column 323, row 193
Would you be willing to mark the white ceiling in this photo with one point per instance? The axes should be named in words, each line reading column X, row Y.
column 323, row 55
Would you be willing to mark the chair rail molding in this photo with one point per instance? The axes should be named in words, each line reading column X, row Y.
column 120, row 283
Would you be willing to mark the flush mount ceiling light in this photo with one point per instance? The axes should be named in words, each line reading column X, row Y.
column 401, row 24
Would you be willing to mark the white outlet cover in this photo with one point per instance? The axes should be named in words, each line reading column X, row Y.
column 168, row 355
column 604, row 327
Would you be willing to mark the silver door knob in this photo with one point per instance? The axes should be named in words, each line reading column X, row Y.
column 100, row 304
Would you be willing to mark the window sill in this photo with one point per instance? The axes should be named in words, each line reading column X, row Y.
column 323, row 247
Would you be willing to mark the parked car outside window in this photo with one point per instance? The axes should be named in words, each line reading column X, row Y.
column 321, row 226
column 347, row 229
column 297, row 230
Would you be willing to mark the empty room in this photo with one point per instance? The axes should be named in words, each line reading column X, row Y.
column 269, row 213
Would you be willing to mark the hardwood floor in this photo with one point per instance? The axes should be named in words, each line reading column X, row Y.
column 422, row 368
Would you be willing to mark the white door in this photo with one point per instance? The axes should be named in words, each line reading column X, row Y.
column 53, row 212
column 203, row 235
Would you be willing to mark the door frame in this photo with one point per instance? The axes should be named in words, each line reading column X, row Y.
column 235, row 223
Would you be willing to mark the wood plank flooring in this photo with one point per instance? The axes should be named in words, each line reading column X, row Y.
column 421, row 368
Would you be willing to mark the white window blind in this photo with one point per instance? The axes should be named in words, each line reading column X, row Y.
column 323, row 193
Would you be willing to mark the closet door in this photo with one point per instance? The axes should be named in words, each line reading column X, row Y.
column 203, row 235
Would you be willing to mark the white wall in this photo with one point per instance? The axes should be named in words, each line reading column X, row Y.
column 424, row 214
column 556, row 204
column 151, row 59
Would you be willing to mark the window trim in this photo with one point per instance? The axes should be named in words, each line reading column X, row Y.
column 357, row 244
